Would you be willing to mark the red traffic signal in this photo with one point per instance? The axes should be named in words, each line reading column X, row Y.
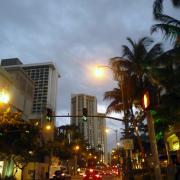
column 145, row 100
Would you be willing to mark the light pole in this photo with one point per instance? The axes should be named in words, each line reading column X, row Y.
column 116, row 134
column 76, row 149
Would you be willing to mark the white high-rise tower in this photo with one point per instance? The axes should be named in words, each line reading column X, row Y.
column 94, row 129
column 45, row 77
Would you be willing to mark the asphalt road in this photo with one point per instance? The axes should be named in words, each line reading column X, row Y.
column 104, row 178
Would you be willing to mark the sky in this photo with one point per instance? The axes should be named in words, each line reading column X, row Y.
column 76, row 35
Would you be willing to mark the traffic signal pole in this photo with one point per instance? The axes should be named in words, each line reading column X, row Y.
column 108, row 117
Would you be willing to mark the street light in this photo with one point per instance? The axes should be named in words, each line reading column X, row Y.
column 107, row 130
column 4, row 97
column 48, row 127
column 76, row 149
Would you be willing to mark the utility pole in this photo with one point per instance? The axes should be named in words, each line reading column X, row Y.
column 152, row 138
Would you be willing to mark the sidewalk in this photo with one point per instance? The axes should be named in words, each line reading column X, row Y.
column 76, row 177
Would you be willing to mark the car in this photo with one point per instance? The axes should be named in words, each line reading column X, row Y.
column 81, row 171
column 92, row 174
column 61, row 175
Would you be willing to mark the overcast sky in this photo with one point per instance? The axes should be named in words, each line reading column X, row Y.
column 76, row 35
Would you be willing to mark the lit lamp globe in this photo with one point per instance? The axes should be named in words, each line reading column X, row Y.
column 99, row 72
column 4, row 97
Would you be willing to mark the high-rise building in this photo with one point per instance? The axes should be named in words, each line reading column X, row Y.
column 20, row 89
column 45, row 77
column 78, row 102
column 93, row 129
column 101, row 135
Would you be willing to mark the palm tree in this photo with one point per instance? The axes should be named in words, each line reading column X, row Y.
column 158, row 6
column 117, row 106
column 136, row 67
column 169, row 25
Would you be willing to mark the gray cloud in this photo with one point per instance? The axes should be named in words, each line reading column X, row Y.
column 73, row 34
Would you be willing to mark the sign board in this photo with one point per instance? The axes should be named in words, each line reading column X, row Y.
column 173, row 142
column 128, row 144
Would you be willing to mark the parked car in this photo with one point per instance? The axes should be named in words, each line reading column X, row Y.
column 81, row 171
column 61, row 175
column 92, row 174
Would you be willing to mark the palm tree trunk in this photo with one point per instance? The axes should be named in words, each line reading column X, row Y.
column 154, row 150
column 140, row 143
column 128, row 164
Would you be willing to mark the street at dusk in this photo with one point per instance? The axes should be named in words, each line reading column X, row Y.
column 90, row 90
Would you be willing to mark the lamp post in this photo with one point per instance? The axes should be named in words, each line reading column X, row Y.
column 76, row 149
column 116, row 134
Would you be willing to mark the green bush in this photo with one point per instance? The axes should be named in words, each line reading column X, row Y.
column 8, row 178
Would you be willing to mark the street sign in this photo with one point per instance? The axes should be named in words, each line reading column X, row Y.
column 128, row 144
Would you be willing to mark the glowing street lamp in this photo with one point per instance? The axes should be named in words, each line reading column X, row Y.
column 107, row 130
column 76, row 148
column 4, row 97
column 99, row 72
column 48, row 127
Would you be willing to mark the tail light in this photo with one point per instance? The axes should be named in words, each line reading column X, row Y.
column 84, row 175
column 97, row 175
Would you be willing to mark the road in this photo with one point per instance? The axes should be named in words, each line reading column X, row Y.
column 104, row 178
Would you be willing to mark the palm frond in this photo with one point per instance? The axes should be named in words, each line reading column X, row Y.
column 114, row 107
column 133, row 44
column 170, row 31
column 168, row 57
column 154, row 52
column 176, row 3
column 169, row 20
column 120, row 63
column 145, row 41
column 127, row 52
column 157, row 8
column 114, row 94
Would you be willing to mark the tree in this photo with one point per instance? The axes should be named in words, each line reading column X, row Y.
column 18, row 138
column 116, row 105
column 136, row 64
column 169, row 25
column 66, row 138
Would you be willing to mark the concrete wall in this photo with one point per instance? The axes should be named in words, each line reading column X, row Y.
column 40, row 170
column 20, row 88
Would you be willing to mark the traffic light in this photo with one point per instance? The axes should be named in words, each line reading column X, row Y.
column 48, row 114
column 150, row 98
column 145, row 100
column 84, row 118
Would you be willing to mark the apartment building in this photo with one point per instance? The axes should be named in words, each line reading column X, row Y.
column 45, row 78
column 20, row 89
column 94, row 129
